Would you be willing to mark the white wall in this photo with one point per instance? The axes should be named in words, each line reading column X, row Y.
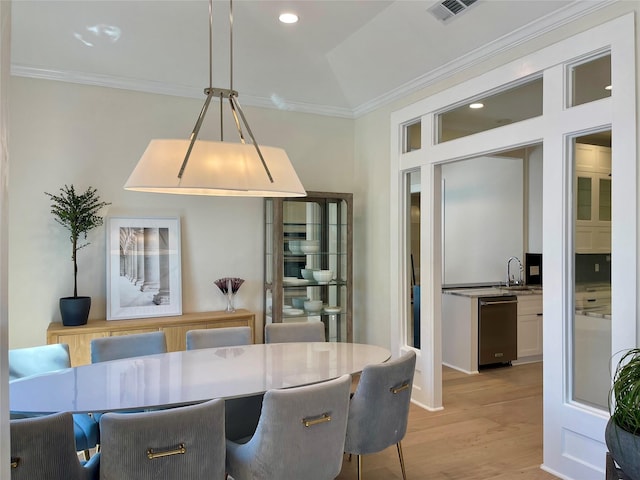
column 483, row 219
column 371, row 221
column 91, row 136
column 534, row 201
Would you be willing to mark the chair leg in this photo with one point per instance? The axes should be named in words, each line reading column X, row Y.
column 401, row 457
column 359, row 467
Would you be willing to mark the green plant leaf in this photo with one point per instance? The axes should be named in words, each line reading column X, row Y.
column 624, row 401
column 78, row 213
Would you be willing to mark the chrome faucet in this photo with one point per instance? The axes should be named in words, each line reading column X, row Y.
column 510, row 279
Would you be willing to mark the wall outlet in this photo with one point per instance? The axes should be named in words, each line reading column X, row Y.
column 597, row 267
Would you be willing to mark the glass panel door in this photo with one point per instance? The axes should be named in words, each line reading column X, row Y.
column 413, row 260
column 591, row 350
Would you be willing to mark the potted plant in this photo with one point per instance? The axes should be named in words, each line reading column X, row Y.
column 78, row 213
column 622, row 434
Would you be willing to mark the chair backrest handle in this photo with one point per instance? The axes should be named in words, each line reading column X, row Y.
column 180, row 450
column 310, row 422
column 402, row 387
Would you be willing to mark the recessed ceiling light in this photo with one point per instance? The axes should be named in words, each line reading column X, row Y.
column 288, row 18
column 608, row 87
column 476, row 105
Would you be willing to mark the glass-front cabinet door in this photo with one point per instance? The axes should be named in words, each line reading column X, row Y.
column 308, row 261
column 593, row 194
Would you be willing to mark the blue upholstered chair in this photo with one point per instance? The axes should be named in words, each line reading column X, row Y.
column 43, row 448
column 300, row 434
column 218, row 337
column 25, row 362
column 294, row 332
column 184, row 443
column 241, row 414
column 379, row 408
column 126, row 346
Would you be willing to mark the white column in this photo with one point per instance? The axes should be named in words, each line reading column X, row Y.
column 151, row 260
column 163, row 296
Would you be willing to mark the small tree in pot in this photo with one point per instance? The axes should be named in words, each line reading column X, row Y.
column 78, row 213
column 622, row 434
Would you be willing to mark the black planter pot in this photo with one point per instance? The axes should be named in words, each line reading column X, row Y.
column 624, row 448
column 75, row 310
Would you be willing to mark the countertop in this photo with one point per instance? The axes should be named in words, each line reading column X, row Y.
column 593, row 287
column 600, row 310
column 604, row 312
column 493, row 291
column 593, row 300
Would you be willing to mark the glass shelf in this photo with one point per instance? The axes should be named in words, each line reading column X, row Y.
column 310, row 314
column 305, row 224
column 298, row 255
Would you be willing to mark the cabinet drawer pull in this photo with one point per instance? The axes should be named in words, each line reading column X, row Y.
column 502, row 302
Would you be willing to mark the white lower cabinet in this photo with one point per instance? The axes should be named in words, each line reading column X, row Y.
column 529, row 325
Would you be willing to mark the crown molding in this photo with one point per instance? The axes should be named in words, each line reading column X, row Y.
column 571, row 12
column 162, row 88
column 524, row 34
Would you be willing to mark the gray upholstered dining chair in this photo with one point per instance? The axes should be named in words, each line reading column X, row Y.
column 300, row 434
column 43, row 448
column 379, row 408
column 294, row 332
column 127, row 346
column 182, row 443
column 218, row 337
column 25, row 362
column 241, row 414
column 118, row 347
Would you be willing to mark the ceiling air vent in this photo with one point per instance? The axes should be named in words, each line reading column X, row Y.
column 445, row 11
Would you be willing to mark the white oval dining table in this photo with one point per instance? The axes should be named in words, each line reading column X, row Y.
column 187, row 377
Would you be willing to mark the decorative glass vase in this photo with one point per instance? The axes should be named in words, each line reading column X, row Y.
column 230, row 297
column 229, row 287
column 231, row 301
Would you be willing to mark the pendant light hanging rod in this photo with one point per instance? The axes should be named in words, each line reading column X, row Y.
column 234, row 100
column 222, row 93
column 210, row 45
column 231, row 45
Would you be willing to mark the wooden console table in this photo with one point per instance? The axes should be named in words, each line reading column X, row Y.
column 175, row 328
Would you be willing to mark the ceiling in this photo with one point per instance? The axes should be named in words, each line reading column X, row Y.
column 342, row 58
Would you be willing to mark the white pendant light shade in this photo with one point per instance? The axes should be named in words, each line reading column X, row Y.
column 199, row 167
column 214, row 168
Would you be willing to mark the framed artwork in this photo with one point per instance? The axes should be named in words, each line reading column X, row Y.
column 143, row 267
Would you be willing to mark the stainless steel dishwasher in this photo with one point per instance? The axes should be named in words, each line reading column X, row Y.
column 497, row 329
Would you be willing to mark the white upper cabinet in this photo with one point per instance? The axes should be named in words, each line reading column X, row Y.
column 593, row 199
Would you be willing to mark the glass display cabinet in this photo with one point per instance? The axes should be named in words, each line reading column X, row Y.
column 308, row 261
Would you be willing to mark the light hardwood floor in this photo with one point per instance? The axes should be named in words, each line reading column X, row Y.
column 490, row 428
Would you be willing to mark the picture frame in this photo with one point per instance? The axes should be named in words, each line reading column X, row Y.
column 143, row 267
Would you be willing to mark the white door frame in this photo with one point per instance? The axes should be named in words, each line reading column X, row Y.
column 573, row 433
